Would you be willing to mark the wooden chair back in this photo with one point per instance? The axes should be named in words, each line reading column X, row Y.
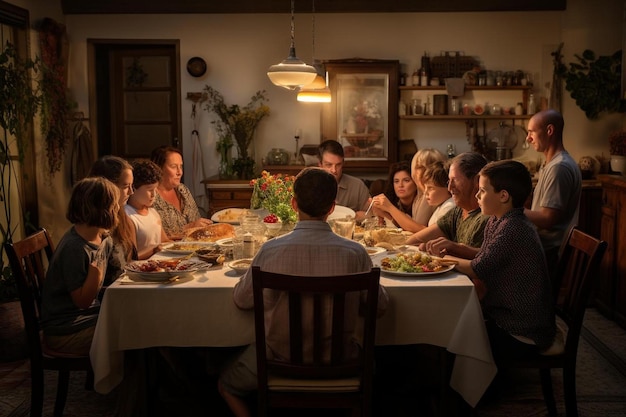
column 578, row 266
column 318, row 348
column 29, row 259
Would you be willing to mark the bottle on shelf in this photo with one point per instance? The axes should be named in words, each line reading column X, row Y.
column 451, row 151
column 531, row 104
column 415, row 78
column 519, row 110
column 425, row 70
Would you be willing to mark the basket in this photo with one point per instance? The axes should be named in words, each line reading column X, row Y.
column 447, row 66
column 363, row 140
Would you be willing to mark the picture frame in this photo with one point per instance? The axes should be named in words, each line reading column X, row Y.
column 363, row 113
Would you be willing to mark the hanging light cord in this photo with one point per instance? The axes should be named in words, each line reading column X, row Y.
column 293, row 28
column 313, row 30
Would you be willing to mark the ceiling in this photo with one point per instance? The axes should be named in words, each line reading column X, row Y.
column 321, row 6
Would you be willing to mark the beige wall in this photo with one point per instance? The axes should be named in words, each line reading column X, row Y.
column 239, row 48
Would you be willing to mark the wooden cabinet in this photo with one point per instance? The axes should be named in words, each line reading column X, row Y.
column 610, row 292
column 227, row 193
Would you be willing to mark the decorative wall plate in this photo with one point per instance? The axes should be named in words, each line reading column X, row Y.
column 196, row 66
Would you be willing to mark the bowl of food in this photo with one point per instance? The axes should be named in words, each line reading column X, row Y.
column 272, row 224
column 240, row 266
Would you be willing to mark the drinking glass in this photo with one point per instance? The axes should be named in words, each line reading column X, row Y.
column 344, row 227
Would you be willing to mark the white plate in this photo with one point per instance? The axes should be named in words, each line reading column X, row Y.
column 341, row 211
column 230, row 215
column 240, row 265
column 418, row 274
column 225, row 242
column 373, row 250
column 183, row 268
column 172, row 247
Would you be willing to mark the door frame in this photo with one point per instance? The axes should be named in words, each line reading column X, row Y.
column 99, row 46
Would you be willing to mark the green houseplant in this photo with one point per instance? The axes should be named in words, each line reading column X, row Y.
column 594, row 82
column 239, row 123
column 20, row 99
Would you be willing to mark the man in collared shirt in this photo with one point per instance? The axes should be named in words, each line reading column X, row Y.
column 311, row 249
column 351, row 191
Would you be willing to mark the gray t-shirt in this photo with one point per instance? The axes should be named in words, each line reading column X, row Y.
column 352, row 192
column 558, row 187
column 67, row 272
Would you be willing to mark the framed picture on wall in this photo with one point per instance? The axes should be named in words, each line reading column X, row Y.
column 363, row 113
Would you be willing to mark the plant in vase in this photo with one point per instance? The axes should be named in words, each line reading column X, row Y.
column 238, row 122
column 617, row 145
column 274, row 193
column 223, row 146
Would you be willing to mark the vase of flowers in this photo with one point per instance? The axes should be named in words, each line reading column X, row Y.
column 225, row 168
column 239, row 123
column 617, row 144
column 274, row 193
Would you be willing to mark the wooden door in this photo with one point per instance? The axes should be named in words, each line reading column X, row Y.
column 144, row 97
column 135, row 95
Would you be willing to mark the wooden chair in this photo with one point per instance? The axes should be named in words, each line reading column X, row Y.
column 318, row 382
column 27, row 264
column 577, row 267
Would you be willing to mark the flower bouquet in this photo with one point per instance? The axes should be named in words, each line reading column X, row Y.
column 273, row 193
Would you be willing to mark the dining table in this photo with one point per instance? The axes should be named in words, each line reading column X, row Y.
column 197, row 310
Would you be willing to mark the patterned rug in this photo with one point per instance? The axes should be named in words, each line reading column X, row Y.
column 601, row 387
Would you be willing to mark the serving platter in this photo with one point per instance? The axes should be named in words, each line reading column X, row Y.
column 185, row 248
column 165, row 269
column 373, row 250
column 229, row 215
column 433, row 274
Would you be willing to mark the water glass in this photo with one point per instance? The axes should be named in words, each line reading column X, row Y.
column 343, row 227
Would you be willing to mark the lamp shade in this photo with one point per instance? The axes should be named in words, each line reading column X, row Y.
column 291, row 73
column 315, row 95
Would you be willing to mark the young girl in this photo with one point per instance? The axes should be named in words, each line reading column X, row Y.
column 120, row 172
column 77, row 269
column 510, row 271
column 148, row 229
column 435, row 179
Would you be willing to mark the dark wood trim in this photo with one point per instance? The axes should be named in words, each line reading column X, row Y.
column 13, row 16
column 321, row 6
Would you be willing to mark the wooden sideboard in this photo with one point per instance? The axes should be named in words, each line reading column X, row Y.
column 227, row 193
column 610, row 291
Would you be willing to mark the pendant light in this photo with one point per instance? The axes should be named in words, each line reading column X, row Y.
column 317, row 91
column 292, row 72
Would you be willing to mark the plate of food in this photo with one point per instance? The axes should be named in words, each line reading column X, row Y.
column 415, row 264
column 164, row 269
column 210, row 233
column 240, row 265
column 184, row 248
column 230, row 215
column 214, row 255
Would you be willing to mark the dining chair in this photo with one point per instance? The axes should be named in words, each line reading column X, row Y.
column 330, row 377
column 26, row 259
column 578, row 266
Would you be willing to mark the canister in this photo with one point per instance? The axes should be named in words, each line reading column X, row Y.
column 440, row 104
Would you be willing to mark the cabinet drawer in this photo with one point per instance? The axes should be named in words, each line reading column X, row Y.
column 221, row 195
column 242, row 195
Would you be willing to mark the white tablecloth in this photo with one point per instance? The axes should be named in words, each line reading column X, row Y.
column 198, row 311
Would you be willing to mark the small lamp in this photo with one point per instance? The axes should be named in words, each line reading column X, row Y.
column 291, row 73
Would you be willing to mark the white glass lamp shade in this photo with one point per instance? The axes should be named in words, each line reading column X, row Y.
column 291, row 73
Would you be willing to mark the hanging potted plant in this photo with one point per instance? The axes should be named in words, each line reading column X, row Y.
column 239, row 123
column 20, row 99
column 617, row 145
column 594, row 82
